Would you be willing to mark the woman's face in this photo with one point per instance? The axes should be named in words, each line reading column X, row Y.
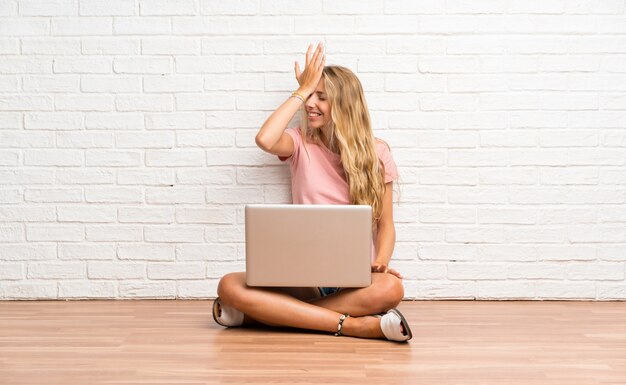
column 316, row 104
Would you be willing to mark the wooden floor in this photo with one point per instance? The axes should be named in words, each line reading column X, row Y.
column 177, row 342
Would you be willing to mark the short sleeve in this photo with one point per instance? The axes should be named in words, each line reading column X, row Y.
column 297, row 143
column 384, row 154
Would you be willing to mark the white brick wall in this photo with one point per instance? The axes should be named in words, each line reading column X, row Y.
column 127, row 140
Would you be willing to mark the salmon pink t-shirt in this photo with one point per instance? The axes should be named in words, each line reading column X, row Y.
column 319, row 178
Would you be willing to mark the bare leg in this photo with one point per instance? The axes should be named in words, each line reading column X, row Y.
column 273, row 307
column 384, row 293
column 306, row 294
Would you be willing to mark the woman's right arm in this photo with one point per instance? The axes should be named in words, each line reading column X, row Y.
column 272, row 137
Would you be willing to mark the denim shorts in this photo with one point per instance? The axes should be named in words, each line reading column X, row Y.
column 324, row 291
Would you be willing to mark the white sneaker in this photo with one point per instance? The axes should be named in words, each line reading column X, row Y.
column 225, row 315
column 390, row 324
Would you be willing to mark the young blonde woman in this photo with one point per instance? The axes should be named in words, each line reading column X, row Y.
column 334, row 159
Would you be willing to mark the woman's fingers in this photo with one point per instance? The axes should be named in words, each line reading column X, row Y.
column 312, row 72
column 298, row 72
column 323, row 61
column 312, row 55
column 377, row 268
column 308, row 56
column 394, row 272
column 312, row 58
column 318, row 55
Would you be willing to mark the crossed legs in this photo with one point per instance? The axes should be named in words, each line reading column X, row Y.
column 274, row 307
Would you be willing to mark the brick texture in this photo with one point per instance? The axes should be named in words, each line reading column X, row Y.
column 127, row 140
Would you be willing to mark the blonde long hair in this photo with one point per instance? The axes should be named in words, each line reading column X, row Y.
column 352, row 137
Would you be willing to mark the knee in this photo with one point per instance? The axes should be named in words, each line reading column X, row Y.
column 389, row 293
column 230, row 288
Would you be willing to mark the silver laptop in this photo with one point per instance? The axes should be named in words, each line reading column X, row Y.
column 308, row 245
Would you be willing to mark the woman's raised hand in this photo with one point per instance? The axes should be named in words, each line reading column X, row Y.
column 310, row 77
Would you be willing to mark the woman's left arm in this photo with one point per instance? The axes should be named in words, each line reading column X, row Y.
column 386, row 235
